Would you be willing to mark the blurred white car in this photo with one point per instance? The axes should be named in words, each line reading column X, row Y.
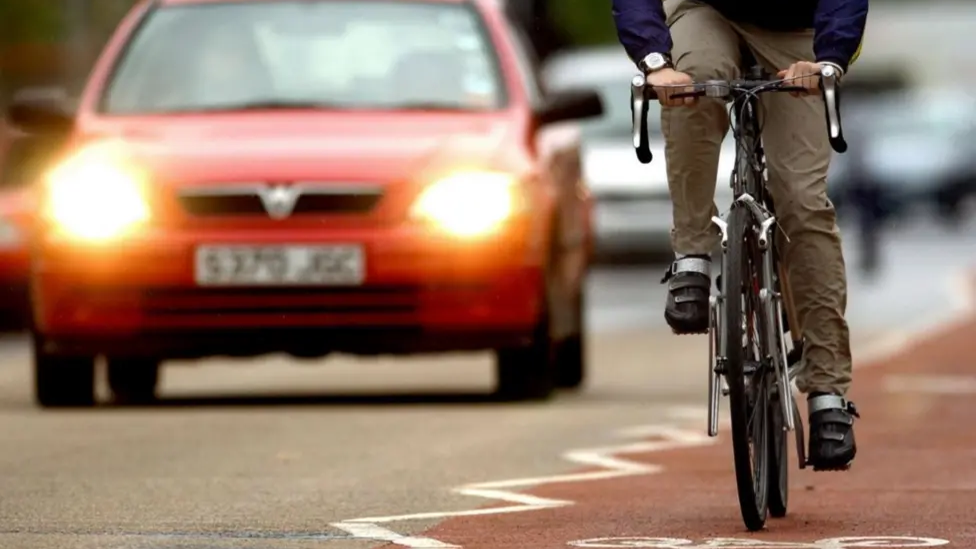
column 633, row 206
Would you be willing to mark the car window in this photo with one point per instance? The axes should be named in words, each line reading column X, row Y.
column 337, row 53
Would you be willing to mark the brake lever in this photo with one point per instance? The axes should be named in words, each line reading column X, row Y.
column 831, row 96
column 638, row 108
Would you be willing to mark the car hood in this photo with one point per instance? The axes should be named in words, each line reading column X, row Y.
column 611, row 167
column 347, row 147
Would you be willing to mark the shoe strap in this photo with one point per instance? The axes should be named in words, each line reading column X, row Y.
column 831, row 402
column 692, row 265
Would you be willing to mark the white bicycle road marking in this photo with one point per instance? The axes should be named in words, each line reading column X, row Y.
column 670, row 437
column 734, row 543
column 665, row 437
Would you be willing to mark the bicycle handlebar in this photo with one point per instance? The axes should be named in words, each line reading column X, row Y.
column 641, row 94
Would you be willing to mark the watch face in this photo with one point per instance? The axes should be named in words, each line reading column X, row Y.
column 655, row 61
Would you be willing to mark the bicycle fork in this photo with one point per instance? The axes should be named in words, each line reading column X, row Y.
column 772, row 303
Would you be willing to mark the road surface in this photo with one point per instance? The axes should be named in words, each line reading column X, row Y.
column 276, row 454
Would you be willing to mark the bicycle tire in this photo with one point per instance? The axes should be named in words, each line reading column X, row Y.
column 779, row 454
column 778, row 468
column 753, row 499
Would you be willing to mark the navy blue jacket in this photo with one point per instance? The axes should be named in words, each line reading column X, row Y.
column 838, row 24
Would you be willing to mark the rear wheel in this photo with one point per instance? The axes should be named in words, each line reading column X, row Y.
column 63, row 381
column 778, row 461
column 133, row 381
column 748, row 387
column 571, row 351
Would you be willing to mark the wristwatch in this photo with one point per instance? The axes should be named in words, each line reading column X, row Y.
column 654, row 62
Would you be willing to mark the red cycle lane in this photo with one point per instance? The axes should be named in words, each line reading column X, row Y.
column 915, row 476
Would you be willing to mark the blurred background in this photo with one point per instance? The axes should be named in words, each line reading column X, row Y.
column 905, row 196
column 910, row 114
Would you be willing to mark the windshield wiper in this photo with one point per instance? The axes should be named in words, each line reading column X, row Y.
column 274, row 104
column 430, row 106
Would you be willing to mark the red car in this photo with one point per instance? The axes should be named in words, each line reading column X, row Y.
column 357, row 176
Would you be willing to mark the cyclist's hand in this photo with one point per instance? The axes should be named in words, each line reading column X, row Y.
column 802, row 73
column 671, row 77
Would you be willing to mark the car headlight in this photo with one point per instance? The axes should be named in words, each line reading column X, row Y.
column 96, row 195
column 470, row 203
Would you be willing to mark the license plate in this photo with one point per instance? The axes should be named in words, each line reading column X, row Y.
column 279, row 265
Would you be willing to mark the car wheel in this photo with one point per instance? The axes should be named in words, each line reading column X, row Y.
column 528, row 373
column 61, row 381
column 571, row 352
column 133, row 381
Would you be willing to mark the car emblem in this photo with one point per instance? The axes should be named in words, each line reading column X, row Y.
column 279, row 200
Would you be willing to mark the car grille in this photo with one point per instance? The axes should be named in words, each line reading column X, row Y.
column 247, row 201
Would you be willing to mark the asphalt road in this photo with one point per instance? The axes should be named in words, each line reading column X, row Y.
column 269, row 453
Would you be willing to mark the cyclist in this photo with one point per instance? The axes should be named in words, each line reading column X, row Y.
column 675, row 42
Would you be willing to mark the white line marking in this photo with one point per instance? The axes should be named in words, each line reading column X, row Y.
column 670, row 437
column 736, row 543
column 378, row 533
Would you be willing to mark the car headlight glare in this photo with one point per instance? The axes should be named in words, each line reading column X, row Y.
column 470, row 203
column 95, row 195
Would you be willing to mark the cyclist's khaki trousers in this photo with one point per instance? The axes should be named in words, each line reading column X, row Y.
column 706, row 45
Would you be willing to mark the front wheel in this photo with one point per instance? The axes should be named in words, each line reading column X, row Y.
column 62, row 381
column 529, row 372
column 748, row 387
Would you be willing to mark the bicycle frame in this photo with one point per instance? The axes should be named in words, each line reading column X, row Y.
column 748, row 184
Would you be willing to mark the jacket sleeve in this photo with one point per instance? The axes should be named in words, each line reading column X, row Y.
column 839, row 31
column 641, row 27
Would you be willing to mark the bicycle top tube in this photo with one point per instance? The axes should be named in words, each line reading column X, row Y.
column 642, row 94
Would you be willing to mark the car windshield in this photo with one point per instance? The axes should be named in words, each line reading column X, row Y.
column 329, row 54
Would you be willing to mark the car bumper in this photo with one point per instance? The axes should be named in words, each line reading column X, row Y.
column 419, row 293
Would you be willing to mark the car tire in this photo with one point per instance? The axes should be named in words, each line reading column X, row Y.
column 61, row 382
column 133, row 381
column 571, row 352
column 529, row 372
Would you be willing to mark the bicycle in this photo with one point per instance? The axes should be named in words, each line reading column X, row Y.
column 757, row 375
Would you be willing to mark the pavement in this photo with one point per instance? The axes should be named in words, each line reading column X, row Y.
column 271, row 453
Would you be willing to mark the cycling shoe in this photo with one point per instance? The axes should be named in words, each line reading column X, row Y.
column 832, row 445
column 689, row 284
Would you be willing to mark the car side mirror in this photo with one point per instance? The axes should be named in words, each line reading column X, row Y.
column 570, row 105
column 41, row 111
